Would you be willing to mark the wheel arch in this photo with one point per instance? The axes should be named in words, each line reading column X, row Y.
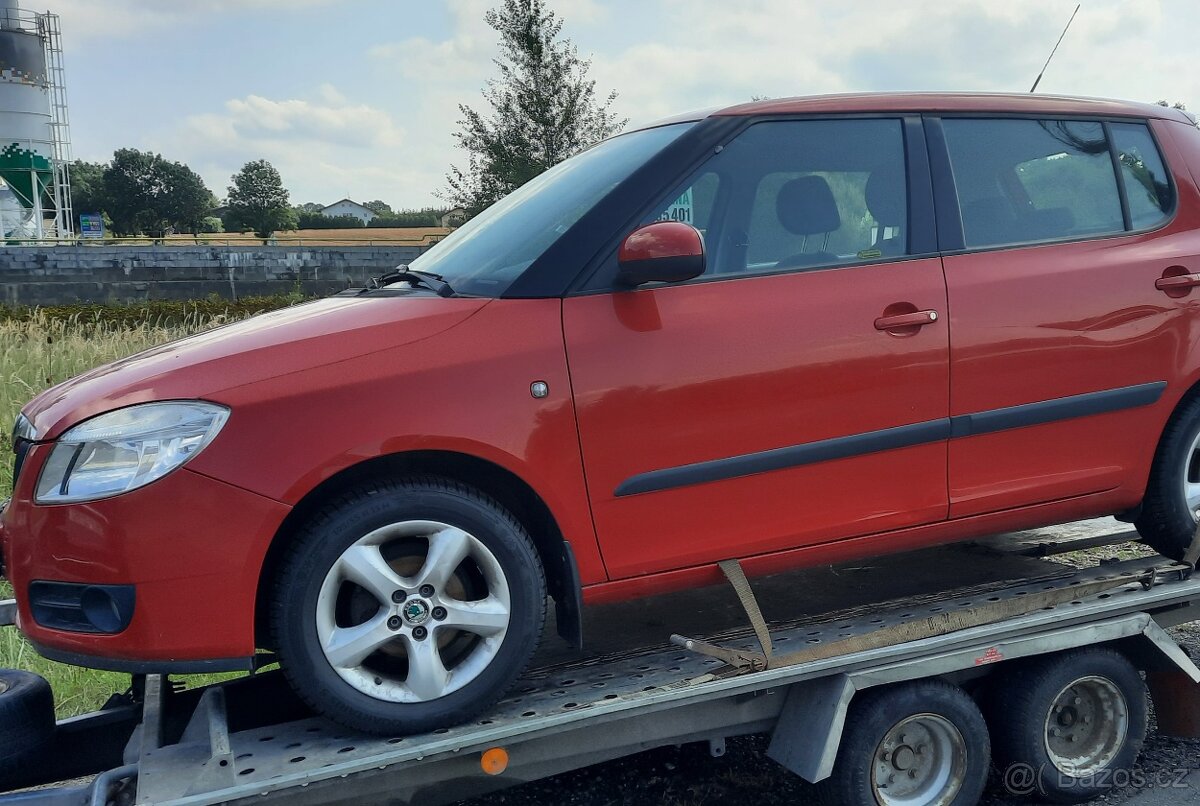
column 507, row 488
column 1190, row 393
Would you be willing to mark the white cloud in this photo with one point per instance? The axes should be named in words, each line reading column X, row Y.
column 326, row 141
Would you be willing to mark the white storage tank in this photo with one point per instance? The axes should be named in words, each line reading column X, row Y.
column 31, row 137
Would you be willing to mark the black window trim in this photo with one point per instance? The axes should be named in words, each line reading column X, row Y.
column 600, row 274
column 545, row 278
column 952, row 240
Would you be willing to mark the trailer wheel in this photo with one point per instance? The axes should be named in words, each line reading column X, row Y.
column 923, row 743
column 406, row 606
column 1065, row 723
column 26, row 720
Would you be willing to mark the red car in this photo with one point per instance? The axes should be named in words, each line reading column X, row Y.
column 792, row 332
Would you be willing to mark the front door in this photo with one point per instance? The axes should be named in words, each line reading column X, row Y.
column 776, row 401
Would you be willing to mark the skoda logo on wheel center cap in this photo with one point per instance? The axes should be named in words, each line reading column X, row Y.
column 415, row 611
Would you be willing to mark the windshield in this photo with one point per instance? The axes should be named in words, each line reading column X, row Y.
column 489, row 252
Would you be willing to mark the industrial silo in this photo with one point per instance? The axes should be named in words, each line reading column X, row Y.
column 34, row 146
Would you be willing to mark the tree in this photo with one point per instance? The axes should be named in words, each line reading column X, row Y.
column 87, row 187
column 259, row 201
column 1182, row 107
column 309, row 207
column 379, row 208
column 188, row 201
column 146, row 194
column 543, row 109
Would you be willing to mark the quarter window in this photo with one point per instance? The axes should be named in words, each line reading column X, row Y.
column 1024, row 181
column 1147, row 186
column 798, row 194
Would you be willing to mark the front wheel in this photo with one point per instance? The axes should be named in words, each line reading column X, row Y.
column 408, row 606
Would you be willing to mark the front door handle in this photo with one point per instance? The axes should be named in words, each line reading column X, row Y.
column 906, row 320
column 1177, row 282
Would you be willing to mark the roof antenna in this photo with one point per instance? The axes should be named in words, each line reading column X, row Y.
column 1038, row 80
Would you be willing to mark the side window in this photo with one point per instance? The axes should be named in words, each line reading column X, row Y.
column 695, row 203
column 1024, row 181
column 1147, row 186
column 798, row 194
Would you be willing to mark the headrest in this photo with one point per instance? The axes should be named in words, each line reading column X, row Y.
column 885, row 194
column 805, row 206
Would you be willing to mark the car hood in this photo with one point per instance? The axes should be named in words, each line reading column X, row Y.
column 266, row 346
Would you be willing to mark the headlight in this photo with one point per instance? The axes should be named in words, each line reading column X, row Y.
column 23, row 430
column 126, row 449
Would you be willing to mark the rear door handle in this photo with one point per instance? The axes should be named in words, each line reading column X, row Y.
column 1178, row 281
column 914, row 319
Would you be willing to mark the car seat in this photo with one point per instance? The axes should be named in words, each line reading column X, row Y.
column 805, row 206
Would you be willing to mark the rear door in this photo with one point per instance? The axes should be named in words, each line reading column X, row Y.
column 1061, row 344
column 764, row 406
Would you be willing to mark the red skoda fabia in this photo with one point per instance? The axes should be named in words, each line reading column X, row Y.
column 791, row 332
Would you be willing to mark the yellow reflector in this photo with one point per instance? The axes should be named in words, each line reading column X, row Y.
column 494, row 761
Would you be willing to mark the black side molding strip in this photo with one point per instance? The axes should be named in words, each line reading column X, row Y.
column 904, row 436
column 780, row 458
column 1063, row 408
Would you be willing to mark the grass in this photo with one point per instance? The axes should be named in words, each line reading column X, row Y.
column 37, row 350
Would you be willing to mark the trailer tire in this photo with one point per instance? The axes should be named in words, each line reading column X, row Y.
column 946, row 764
column 1089, row 701
column 1165, row 520
column 26, row 720
column 408, row 605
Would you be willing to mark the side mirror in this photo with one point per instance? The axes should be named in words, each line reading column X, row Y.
column 665, row 251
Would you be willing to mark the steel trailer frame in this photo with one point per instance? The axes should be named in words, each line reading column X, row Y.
column 578, row 714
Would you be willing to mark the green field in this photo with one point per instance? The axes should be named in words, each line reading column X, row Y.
column 41, row 348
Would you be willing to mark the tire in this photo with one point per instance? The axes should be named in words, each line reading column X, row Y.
column 353, row 582
column 1052, row 706
column 26, row 721
column 951, row 744
column 1166, row 522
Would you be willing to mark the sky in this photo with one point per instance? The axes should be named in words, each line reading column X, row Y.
column 360, row 99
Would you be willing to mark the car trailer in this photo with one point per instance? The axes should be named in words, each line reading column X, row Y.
column 876, row 706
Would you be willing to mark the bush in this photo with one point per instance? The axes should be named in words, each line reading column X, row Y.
column 211, row 224
column 321, row 221
column 428, row 217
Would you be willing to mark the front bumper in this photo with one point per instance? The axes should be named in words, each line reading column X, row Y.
column 191, row 547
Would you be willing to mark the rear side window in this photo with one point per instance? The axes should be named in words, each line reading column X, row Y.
column 1025, row 181
column 1147, row 186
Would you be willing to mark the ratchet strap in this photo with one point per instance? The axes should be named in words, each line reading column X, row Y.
column 934, row 624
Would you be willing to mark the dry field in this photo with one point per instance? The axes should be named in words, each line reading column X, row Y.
column 415, row 236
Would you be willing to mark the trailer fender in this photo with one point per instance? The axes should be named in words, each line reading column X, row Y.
column 809, row 731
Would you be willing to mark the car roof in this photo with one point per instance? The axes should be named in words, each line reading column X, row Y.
column 946, row 102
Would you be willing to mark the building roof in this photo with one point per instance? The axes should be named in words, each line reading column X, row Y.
column 349, row 201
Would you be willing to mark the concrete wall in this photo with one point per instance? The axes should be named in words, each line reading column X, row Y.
column 59, row 275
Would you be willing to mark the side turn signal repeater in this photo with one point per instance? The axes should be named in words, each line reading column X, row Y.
column 494, row 761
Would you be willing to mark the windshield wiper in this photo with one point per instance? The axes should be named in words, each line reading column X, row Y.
column 403, row 273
